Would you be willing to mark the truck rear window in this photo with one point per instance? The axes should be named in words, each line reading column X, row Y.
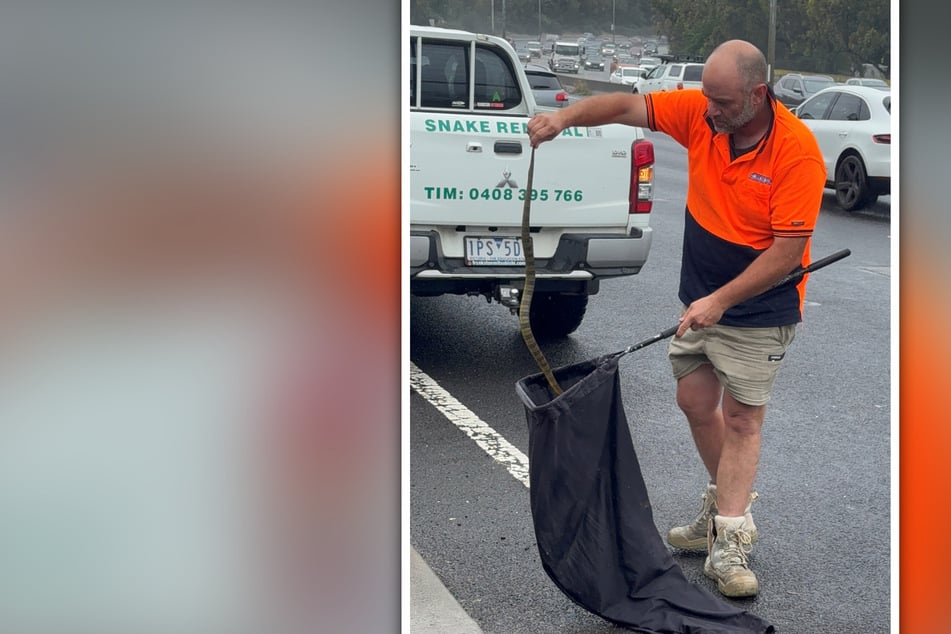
column 443, row 69
column 495, row 84
column 444, row 80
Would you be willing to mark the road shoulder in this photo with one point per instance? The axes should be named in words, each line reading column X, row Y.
column 432, row 607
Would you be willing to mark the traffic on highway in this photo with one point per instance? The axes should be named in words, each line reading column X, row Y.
column 608, row 52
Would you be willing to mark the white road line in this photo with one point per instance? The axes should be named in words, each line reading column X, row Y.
column 501, row 450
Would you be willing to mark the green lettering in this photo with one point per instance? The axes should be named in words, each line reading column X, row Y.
column 458, row 126
column 471, row 127
column 502, row 126
column 445, row 125
column 484, row 127
column 430, row 125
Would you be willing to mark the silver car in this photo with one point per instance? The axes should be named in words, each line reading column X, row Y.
column 546, row 86
column 881, row 84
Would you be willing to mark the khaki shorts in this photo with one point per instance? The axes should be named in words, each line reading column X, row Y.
column 745, row 360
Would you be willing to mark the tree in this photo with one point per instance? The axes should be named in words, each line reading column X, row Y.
column 845, row 34
column 696, row 27
column 816, row 35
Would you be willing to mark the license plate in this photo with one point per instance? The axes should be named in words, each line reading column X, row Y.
column 494, row 251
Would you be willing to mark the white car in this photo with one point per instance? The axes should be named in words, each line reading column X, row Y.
column 853, row 127
column 626, row 75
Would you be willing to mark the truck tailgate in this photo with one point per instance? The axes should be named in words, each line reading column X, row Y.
column 469, row 169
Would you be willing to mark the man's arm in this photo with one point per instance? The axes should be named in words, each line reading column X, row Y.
column 618, row 107
column 769, row 267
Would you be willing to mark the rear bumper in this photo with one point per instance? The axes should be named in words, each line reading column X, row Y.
column 578, row 257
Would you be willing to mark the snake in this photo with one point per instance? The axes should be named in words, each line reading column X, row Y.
column 528, row 290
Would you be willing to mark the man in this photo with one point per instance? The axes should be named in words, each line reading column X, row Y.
column 755, row 187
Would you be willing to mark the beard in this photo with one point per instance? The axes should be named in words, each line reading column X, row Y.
column 730, row 125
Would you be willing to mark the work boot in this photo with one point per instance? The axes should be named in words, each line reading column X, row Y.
column 729, row 543
column 693, row 536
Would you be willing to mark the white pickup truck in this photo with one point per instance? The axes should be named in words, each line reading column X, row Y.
column 592, row 195
column 675, row 72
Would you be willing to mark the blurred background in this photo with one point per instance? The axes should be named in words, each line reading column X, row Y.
column 199, row 318
column 925, row 225
column 200, row 383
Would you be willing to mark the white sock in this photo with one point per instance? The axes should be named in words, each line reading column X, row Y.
column 730, row 522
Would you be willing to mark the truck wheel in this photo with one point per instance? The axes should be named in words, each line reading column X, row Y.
column 556, row 315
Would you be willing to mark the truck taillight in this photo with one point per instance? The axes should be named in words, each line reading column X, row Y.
column 562, row 96
column 642, row 177
column 882, row 138
column 680, row 85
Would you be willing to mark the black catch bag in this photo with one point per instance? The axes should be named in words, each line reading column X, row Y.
column 593, row 520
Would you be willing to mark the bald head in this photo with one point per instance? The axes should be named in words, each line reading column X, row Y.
column 734, row 83
column 740, row 61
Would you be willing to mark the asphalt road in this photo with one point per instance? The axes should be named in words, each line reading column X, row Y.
column 823, row 557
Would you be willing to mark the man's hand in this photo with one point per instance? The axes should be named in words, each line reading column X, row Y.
column 702, row 313
column 544, row 127
column 766, row 270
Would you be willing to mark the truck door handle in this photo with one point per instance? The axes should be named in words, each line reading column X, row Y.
column 473, row 146
column 508, row 147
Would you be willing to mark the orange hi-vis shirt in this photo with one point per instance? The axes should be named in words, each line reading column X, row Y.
column 735, row 208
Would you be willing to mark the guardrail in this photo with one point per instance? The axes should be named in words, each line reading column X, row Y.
column 594, row 85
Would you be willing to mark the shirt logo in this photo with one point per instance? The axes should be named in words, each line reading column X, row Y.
column 759, row 178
